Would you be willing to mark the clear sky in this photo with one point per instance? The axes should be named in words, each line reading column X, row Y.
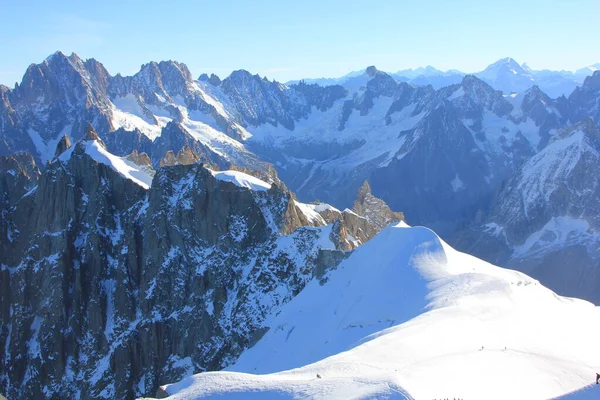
column 288, row 39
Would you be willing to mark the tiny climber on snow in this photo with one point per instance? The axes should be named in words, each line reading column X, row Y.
column 597, row 378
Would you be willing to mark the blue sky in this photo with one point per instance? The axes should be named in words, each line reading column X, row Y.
column 293, row 39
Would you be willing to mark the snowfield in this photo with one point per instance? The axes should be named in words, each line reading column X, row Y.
column 406, row 316
column 241, row 179
column 122, row 165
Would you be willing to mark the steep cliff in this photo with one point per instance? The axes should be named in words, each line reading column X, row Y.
column 117, row 278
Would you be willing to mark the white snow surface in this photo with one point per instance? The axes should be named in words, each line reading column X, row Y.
column 129, row 114
column 321, row 207
column 370, row 133
column 122, row 165
column 46, row 149
column 242, row 179
column 558, row 232
column 406, row 316
column 546, row 170
column 310, row 212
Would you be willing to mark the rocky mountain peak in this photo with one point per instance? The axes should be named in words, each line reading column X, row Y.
column 149, row 79
column 63, row 145
column 507, row 65
column 91, row 134
column 375, row 210
column 18, row 174
column 140, row 159
column 371, row 71
column 534, row 96
column 363, row 192
column 583, row 102
column 471, row 81
column 592, row 82
column 175, row 76
column 98, row 74
column 240, row 75
column 185, row 156
column 483, row 95
column 382, row 84
column 588, row 126
column 60, row 63
column 214, row 80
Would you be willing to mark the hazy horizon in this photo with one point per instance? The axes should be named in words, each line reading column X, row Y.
column 287, row 41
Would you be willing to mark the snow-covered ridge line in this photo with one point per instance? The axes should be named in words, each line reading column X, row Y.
column 310, row 212
column 122, row 165
column 136, row 173
column 405, row 309
column 241, row 179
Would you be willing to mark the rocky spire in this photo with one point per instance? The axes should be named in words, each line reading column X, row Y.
column 140, row 159
column 91, row 134
column 214, row 80
column 371, row 71
column 63, row 145
column 593, row 82
column 186, row 156
column 375, row 210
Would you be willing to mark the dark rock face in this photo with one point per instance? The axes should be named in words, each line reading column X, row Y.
column 60, row 96
column 109, row 290
column 584, row 100
column 122, row 142
column 375, row 210
column 451, row 158
column 18, row 175
column 62, row 146
column 545, row 219
column 140, row 159
column 185, row 157
column 322, row 97
column 214, row 80
column 55, row 94
column 176, row 139
column 426, row 177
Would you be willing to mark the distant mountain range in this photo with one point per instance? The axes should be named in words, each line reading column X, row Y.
column 505, row 75
column 175, row 199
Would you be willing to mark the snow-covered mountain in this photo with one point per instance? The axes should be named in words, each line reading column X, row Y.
column 328, row 81
column 441, row 156
column 429, row 75
column 425, row 71
column 545, row 220
column 505, row 75
column 178, row 194
column 117, row 277
column 408, row 317
column 160, row 108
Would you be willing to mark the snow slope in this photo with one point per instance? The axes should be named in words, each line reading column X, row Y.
column 406, row 316
column 242, row 179
column 128, row 114
column 121, row 165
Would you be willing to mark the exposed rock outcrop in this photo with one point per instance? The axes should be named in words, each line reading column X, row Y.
column 63, row 145
column 185, row 157
column 375, row 210
column 111, row 289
